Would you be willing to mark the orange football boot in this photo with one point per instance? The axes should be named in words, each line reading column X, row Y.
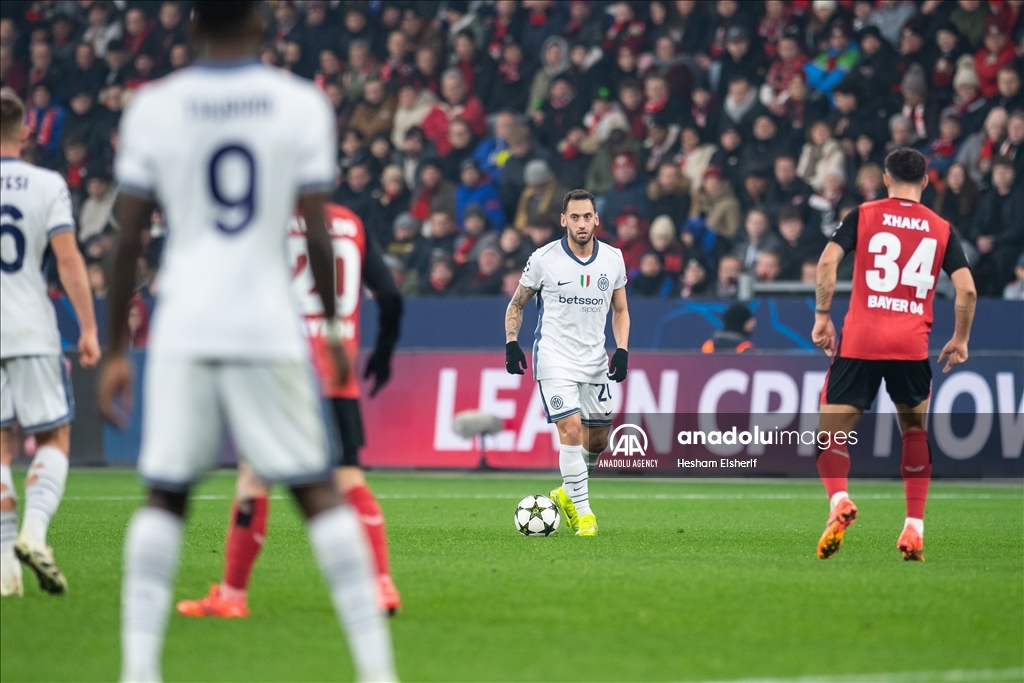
column 911, row 545
column 839, row 519
column 214, row 605
column 387, row 595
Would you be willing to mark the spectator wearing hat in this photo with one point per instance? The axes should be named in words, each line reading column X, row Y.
column 979, row 149
column 433, row 192
column 630, row 238
column 541, row 200
column 477, row 189
column 629, row 190
column 967, row 99
column 554, row 61
column 669, row 193
column 941, row 60
column 391, row 199
column 651, row 279
column 738, row 324
column 717, row 202
column 996, row 52
column 969, row 18
column 998, row 230
column 820, row 153
column 824, row 15
column 763, row 147
column 739, row 59
column 755, row 237
column 917, row 108
column 404, row 241
column 1015, row 290
column 662, row 236
column 877, row 65
column 830, row 66
column 456, row 103
column 97, row 207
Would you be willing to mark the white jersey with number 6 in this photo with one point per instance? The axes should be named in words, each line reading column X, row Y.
column 34, row 206
column 226, row 150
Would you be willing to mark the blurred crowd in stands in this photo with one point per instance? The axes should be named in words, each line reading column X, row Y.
column 720, row 137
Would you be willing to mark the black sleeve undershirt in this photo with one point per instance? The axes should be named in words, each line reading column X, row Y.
column 955, row 259
column 846, row 234
column 379, row 280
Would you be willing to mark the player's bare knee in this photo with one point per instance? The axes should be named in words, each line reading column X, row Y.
column 59, row 438
column 347, row 478
column 313, row 499
column 6, row 454
column 570, row 430
column 249, row 486
column 174, row 502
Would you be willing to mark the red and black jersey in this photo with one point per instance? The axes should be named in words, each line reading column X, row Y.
column 358, row 261
column 899, row 246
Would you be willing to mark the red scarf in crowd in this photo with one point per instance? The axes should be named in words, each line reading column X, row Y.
column 74, row 176
column 498, row 34
column 41, row 124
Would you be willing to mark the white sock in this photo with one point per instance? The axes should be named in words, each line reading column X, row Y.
column 918, row 525
column 591, row 459
column 151, row 552
column 44, row 487
column 574, row 476
column 836, row 497
column 8, row 518
column 344, row 558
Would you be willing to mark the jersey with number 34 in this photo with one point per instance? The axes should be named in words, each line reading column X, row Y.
column 226, row 150
column 900, row 246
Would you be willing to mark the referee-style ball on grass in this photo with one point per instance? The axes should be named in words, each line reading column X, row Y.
column 537, row 516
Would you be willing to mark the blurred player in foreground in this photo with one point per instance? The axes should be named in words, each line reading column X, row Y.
column 35, row 390
column 900, row 246
column 227, row 146
column 579, row 278
column 358, row 261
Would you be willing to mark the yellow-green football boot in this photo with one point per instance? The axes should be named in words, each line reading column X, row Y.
column 588, row 525
column 565, row 504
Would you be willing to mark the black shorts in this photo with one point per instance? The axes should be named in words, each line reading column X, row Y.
column 348, row 437
column 855, row 382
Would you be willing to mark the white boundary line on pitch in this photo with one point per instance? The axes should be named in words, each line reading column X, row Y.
column 950, row 676
column 604, row 496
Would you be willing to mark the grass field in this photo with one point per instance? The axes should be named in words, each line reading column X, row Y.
column 686, row 581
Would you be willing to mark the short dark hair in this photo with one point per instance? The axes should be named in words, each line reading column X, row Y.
column 1003, row 161
column 906, row 165
column 222, row 17
column 577, row 195
column 790, row 213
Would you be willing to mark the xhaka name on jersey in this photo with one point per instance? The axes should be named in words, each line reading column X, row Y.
column 892, row 221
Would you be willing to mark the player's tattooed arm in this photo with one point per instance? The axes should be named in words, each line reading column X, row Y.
column 955, row 351
column 824, row 332
column 514, row 312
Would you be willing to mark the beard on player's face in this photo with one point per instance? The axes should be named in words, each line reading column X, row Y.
column 574, row 234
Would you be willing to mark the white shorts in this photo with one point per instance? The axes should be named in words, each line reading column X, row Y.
column 35, row 391
column 272, row 410
column 563, row 398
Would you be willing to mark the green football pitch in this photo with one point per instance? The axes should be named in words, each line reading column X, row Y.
column 686, row 581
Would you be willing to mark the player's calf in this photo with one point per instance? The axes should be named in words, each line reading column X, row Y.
column 44, row 484
column 10, row 568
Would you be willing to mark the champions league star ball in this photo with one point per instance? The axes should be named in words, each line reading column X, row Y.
column 537, row 516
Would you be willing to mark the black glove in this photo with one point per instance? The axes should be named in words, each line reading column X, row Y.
column 378, row 367
column 619, row 365
column 515, row 359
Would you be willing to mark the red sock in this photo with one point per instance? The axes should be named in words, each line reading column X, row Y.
column 361, row 498
column 245, row 539
column 834, row 468
column 916, row 467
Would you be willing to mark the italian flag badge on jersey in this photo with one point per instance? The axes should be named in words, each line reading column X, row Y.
column 584, row 280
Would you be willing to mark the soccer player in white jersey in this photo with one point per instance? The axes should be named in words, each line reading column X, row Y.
column 35, row 212
column 227, row 147
column 577, row 280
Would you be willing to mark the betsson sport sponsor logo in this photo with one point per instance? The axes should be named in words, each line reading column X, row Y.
column 628, row 445
column 587, row 304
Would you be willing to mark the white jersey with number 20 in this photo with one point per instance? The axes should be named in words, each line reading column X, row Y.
column 226, row 150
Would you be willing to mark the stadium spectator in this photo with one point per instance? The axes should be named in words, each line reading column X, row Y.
column 755, row 238
column 45, row 120
column 101, row 29
column 669, row 193
column 727, row 157
column 411, row 108
column 785, row 69
column 483, row 275
column 740, row 105
column 695, row 281
column 375, row 110
column 942, row 58
column 651, row 279
column 511, row 89
column 456, row 103
column 1009, row 94
column 356, row 191
column 492, row 152
column 631, row 239
column 764, row 146
column 662, row 236
column 554, row 61
column 629, row 190
column 786, row 188
column 461, row 145
column 876, row 67
column 998, row 230
column 96, row 209
column 958, row 199
column 869, row 183
column 515, row 249
column 831, row 65
column 717, row 204
column 477, row 68
column 434, row 192
column 440, row 281
column 477, row 189
column 996, row 52
column 727, row 282
column 560, row 113
column 755, row 185
column 389, row 201
column 768, row 267
column 693, row 156
column 737, row 325
column 1015, row 290
column 541, row 200
column 941, row 153
column 1011, row 147
column 821, row 153
column 798, row 245
column 979, row 149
